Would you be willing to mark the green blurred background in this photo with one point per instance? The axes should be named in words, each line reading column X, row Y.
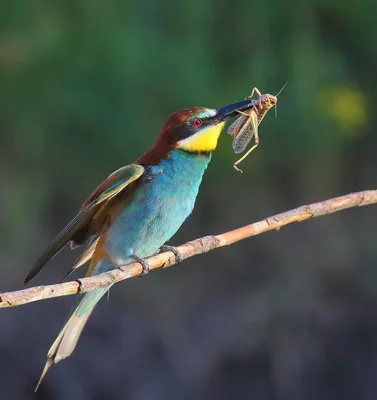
column 84, row 89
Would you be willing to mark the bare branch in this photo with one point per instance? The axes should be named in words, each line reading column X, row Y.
column 189, row 249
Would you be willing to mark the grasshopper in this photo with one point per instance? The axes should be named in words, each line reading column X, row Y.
column 246, row 126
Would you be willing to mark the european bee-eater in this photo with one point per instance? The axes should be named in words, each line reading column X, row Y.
column 138, row 208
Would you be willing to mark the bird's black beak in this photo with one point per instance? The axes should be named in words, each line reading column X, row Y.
column 230, row 111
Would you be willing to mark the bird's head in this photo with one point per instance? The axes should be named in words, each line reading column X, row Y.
column 194, row 130
column 198, row 129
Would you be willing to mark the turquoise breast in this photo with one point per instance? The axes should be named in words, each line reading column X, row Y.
column 162, row 202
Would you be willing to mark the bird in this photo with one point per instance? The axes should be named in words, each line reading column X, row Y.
column 137, row 209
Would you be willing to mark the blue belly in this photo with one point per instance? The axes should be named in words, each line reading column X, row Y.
column 162, row 202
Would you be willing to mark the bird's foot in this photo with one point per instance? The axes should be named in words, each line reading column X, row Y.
column 143, row 263
column 174, row 250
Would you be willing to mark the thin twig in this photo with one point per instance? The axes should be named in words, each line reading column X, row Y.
column 189, row 249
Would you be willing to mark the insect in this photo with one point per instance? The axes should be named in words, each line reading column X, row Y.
column 246, row 126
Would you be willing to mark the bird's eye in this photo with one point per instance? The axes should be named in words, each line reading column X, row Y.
column 196, row 122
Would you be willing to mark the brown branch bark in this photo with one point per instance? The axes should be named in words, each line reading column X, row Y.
column 189, row 249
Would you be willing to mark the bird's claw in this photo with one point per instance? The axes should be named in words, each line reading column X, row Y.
column 143, row 263
column 174, row 250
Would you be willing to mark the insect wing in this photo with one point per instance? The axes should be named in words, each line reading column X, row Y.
column 236, row 126
column 246, row 133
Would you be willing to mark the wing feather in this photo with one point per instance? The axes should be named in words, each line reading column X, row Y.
column 108, row 189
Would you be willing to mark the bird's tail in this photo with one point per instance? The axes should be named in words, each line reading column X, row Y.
column 66, row 341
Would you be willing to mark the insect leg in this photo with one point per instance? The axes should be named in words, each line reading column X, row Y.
column 255, row 90
column 256, row 143
column 243, row 113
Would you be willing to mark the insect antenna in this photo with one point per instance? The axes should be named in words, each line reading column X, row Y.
column 277, row 95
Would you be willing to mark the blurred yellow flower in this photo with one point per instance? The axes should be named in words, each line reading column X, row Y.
column 346, row 106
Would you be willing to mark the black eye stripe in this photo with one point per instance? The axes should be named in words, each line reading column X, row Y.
column 183, row 132
column 189, row 129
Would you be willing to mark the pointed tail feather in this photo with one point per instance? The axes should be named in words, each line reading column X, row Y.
column 84, row 257
column 68, row 337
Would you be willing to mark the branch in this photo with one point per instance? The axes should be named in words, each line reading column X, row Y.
column 189, row 249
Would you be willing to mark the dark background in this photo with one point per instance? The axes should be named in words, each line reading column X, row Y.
column 84, row 88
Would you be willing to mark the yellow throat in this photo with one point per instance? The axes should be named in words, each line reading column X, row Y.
column 204, row 140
